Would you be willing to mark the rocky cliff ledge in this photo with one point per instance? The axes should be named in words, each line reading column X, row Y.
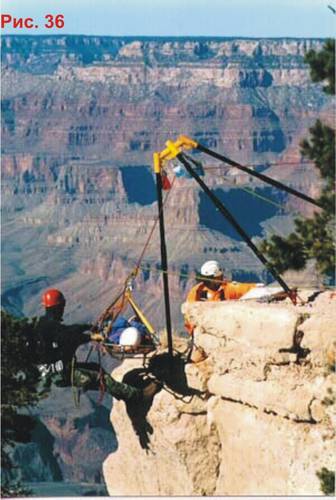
column 264, row 424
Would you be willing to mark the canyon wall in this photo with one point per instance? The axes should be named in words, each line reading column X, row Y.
column 81, row 119
column 257, row 417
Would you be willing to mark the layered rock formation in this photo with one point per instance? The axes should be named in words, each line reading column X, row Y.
column 263, row 422
column 69, row 442
column 81, row 118
column 128, row 96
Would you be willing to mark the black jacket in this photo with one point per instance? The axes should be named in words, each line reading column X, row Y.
column 53, row 346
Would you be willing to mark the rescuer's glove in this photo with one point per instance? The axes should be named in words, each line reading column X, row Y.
column 97, row 337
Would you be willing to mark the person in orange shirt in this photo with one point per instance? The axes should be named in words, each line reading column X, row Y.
column 214, row 288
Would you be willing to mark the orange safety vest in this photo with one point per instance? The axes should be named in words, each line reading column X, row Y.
column 226, row 291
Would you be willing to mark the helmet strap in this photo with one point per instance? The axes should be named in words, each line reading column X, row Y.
column 55, row 312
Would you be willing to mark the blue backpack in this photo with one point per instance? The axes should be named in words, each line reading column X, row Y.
column 141, row 327
column 118, row 327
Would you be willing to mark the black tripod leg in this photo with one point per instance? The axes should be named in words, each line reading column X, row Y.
column 260, row 176
column 227, row 214
column 164, row 263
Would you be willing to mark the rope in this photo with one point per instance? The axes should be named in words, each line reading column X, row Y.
column 109, row 310
column 133, row 274
column 178, row 397
column 263, row 177
column 269, row 164
column 89, row 354
column 253, row 193
column 227, row 214
column 102, row 386
column 75, row 390
column 153, row 228
column 148, row 267
column 229, row 181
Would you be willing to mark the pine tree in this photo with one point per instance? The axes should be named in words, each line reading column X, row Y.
column 322, row 65
column 313, row 237
column 19, row 379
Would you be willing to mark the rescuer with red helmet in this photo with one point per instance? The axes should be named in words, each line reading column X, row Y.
column 53, row 297
column 53, row 346
column 54, row 302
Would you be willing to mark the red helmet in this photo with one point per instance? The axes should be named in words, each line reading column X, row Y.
column 53, row 297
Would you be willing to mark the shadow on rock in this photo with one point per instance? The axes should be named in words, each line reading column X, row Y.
column 170, row 370
column 138, row 410
column 296, row 348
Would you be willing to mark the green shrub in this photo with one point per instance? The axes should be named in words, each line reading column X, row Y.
column 327, row 480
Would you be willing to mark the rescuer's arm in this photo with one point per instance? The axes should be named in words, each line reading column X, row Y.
column 193, row 294
column 191, row 297
column 77, row 335
column 97, row 337
column 87, row 334
column 234, row 290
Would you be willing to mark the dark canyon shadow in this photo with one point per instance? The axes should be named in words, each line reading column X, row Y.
column 170, row 372
column 52, row 458
column 249, row 211
column 139, row 184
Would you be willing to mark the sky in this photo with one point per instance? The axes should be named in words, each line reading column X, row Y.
column 248, row 18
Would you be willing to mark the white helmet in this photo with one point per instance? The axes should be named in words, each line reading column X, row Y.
column 211, row 268
column 130, row 336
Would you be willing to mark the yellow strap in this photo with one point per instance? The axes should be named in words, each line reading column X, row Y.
column 139, row 313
